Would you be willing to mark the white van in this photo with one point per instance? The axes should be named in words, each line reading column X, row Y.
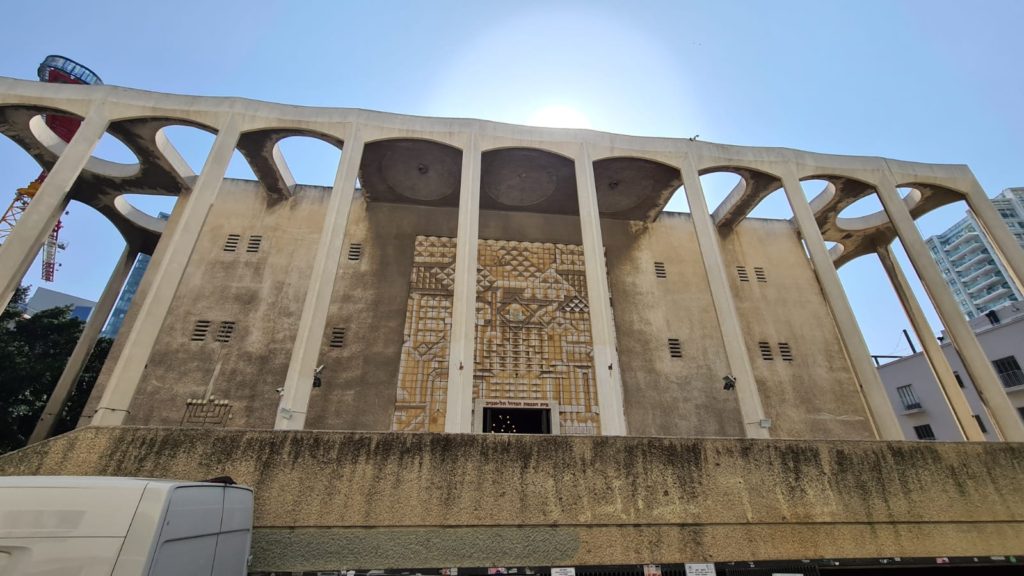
column 88, row 526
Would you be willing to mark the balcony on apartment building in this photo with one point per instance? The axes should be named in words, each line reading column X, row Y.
column 969, row 249
column 981, row 257
column 985, row 283
column 967, row 236
column 977, row 273
column 992, row 295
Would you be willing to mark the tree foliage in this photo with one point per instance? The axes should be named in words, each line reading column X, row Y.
column 33, row 353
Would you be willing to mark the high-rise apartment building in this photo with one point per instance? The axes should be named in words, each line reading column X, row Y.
column 975, row 275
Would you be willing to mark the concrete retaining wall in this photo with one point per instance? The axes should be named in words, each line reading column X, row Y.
column 333, row 499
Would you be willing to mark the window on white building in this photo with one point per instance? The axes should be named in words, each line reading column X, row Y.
column 908, row 398
column 981, row 424
column 1009, row 371
column 924, row 432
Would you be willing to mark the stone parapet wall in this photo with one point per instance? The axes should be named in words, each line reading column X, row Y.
column 328, row 500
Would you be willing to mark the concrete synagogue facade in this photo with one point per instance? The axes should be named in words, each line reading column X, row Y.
column 497, row 278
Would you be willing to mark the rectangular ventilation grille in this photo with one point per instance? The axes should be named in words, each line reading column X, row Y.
column 254, row 244
column 231, row 244
column 337, row 337
column 741, row 271
column 225, row 331
column 785, row 352
column 659, row 270
column 200, row 330
column 355, row 251
column 766, row 351
column 759, row 274
column 675, row 348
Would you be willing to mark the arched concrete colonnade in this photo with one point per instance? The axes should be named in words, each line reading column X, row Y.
column 478, row 165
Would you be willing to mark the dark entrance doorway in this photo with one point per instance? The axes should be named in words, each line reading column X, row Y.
column 517, row 421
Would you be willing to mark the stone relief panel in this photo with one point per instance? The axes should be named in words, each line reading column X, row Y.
column 532, row 332
column 423, row 372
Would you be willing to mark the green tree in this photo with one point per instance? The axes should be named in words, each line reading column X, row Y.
column 33, row 352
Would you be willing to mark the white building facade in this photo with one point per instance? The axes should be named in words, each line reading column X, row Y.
column 975, row 275
column 919, row 403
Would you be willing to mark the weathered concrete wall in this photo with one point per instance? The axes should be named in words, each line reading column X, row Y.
column 131, row 315
column 332, row 499
column 358, row 391
column 261, row 292
column 815, row 395
column 370, row 295
column 667, row 396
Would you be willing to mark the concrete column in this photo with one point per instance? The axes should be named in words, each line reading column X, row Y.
column 166, row 273
column 462, row 340
column 298, row 384
column 952, row 392
column 1006, row 247
column 978, row 366
column 736, row 352
column 83, row 348
column 887, row 427
column 602, row 324
column 24, row 241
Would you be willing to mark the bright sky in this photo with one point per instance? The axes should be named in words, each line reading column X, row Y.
column 923, row 80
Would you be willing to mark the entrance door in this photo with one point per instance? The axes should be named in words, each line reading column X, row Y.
column 517, row 420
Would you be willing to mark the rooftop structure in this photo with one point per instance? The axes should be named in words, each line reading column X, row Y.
column 44, row 299
column 523, row 282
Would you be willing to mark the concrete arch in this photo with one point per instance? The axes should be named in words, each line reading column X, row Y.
column 138, row 217
column 38, row 109
column 861, row 234
column 823, row 198
column 24, row 125
column 532, row 146
column 634, row 187
column 836, row 250
column 415, row 138
column 738, row 169
column 754, row 186
column 528, row 179
column 56, row 145
column 411, row 170
column 261, row 150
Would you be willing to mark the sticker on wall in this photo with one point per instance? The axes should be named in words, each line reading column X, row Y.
column 700, row 570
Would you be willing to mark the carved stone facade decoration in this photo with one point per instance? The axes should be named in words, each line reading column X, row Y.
column 423, row 372
column 532, row 332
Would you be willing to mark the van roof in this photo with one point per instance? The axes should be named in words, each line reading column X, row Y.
column 88, row 506
column 94, row 482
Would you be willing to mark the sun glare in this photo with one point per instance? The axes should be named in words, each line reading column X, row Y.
column 558, row 116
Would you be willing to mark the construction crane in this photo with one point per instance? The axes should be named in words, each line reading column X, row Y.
column 58, row 70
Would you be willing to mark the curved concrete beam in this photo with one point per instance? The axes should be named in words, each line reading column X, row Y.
column 753, row 187
column 939, row 184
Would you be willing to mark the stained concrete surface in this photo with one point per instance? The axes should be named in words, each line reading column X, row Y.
column 396, row 500
column 813, row 397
